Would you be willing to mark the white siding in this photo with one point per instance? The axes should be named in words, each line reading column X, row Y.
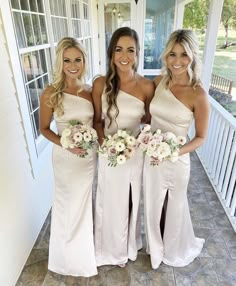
column 24, row 200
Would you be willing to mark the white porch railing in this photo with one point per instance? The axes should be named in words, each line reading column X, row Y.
column 218, row 157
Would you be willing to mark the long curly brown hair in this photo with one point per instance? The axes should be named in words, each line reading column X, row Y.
column 112, row 78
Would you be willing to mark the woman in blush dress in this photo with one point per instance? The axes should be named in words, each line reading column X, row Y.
column 121, row 100
column 71, row 247
column 179, row 98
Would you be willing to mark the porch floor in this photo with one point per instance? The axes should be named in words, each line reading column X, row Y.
column 215, row 266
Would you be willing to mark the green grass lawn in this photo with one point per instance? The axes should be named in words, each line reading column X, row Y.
column 225, row 62
column 225, row 59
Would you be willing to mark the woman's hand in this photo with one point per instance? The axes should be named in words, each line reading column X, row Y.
column 77, row 151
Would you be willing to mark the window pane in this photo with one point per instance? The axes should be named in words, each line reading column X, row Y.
column 15, row 4
column 43, row 29
column 33, row 96
column 45, row 81
column 43, row 61
column 75, row 9
column 28, row 29
column 37, row 33
column 36, row 63
column 40, row 6
column 24, row 5
column 85, row 11
column 158, row 26
column 35, row 118
column 28, row 68
column 40, row 85
column 33, row 5
column 19, row 29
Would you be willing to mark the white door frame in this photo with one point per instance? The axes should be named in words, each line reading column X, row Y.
column 137, row 23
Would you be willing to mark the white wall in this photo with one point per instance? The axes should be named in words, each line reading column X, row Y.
column 24, row 200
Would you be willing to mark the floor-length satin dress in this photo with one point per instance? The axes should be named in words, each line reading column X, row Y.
column 71, row 247
column 117, row 228
column 179, row 245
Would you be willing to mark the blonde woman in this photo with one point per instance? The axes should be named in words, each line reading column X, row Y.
column 71, row 248
column 179, row 98
column 121, row 100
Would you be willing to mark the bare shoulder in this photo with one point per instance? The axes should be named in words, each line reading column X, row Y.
column 157, row 80
column 99, row 81
column 98, row 86
column 200, row 96
column 47, row 92
column 146, row 84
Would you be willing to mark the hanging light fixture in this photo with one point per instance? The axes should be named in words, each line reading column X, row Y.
column 114, row 9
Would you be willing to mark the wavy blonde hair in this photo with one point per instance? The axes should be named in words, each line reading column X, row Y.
column 188, row 40
column 59, row 83
column 112, row 78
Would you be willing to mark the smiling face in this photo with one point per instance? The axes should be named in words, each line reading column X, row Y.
column 125, row 53
column 177, row 60
column 73, row 63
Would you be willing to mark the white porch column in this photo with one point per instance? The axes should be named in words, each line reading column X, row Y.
column 179, row 13
column 210, row 40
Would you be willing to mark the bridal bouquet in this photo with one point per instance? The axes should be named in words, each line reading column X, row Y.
column 160, row 146
column 118, row 148
column 79, row 135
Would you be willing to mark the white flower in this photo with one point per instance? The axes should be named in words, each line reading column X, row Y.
column 181, row 140
column 163, row 150
column 174, row 156
column 129, row 153
column 146, row 128
column 158, row 131
column 66, row 132
column 169, row 136
column 150, row 151
column 78, row 137
column 122, row 133
column 120, row 146
column 87, row 137
column 65, row 142
column 130, row 140
column 121, row 159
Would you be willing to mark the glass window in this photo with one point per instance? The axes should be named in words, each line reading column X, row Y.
column 19, row 29
column 40, row 6
column 28, row 29
column 35, row 49
column 33, row 6
column 15, row 4
column 24, row 5
column 159, row 23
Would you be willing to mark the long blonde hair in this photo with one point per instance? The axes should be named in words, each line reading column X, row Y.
column 112, row 78
column 188, row 40
column 59, row 83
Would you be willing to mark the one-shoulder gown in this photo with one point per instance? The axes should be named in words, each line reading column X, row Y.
column 71, row 247
column 117, row 211
column 179, row 245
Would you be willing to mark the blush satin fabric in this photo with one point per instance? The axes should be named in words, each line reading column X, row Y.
column 179, row 245
column 71, row 247
column 117, row 225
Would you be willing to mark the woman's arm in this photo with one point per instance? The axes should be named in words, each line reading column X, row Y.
column 201, row 109
column 97, row 90
column 45, row 117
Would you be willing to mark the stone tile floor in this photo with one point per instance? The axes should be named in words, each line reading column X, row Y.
column 216, row 265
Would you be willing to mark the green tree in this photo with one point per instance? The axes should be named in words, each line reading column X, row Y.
column 228, row 18
column 195, row 15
